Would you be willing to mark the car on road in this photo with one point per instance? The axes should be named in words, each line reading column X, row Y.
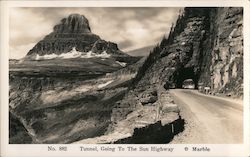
column 188, row 84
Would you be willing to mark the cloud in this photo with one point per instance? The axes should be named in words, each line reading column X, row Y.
column 130, row 28
column 20, row 51
column 25, row 28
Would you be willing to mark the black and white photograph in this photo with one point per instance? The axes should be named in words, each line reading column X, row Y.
column 124, row 78
column 128, row 75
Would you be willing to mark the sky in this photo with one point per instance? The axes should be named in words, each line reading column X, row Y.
column 131, row 28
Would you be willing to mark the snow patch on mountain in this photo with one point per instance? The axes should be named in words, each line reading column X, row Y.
column 74, row 54
column 123, row 64
column 104, row 84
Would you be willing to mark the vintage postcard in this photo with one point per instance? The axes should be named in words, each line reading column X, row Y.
column 125, row 78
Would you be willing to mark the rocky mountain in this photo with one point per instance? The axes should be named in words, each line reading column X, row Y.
column 73, row 32
column 205, row 45
column 62, row 91
column 83, row 52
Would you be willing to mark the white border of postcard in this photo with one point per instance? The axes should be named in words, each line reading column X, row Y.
column 33, row 150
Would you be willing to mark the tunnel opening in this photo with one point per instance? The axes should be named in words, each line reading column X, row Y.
column 184, row 75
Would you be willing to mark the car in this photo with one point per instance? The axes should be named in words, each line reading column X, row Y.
column 188, row 84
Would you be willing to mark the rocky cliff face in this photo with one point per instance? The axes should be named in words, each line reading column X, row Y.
column 227, row 51
column 208, row 50
column 206, row 45
column 73, row 31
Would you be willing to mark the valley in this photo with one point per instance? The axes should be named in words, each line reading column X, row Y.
column 43, row 98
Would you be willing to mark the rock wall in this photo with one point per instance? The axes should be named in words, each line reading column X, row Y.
column 154, row 133
column 227, row 51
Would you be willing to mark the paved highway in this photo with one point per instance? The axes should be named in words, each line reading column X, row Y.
column 209, row 119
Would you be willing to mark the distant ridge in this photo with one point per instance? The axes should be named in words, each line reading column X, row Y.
column 143, row 51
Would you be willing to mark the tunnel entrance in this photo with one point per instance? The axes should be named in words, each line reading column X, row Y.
column 185, row 74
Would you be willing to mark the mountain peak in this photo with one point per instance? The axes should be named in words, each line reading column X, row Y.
column 73, row 32
column 74, row 23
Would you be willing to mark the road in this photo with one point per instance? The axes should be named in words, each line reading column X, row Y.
column 209, row 119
